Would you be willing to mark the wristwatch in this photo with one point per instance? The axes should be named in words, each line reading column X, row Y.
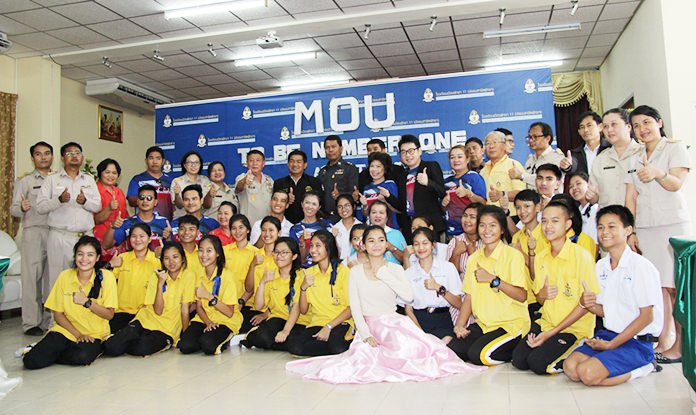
column 442, row 291
column 87, row 303
column 241, row 302
column 495, row 282
column 212, row 302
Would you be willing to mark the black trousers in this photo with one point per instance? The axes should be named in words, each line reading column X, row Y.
column 534, row 311
column 137, row 341
column 195, row 339
column 120, row 321
column 305, row 345
column 263, row 337
column 247, row 313
column 56, row 348
column 545, row 358
column 488, row 349
column 438, row 323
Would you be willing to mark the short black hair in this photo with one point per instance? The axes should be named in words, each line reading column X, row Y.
column 193, row 187
column 580, row 174
column 528, row 195
column 408, row 138
column 552, row 168
column 213, row 164
column 189, row 220
column 651, row 112
column 40, row 143
column 154, row 149
column 503, row 130
column 104, row 164
column 618, row 111
column 624, row 214
column 377, row 141
column 186, row 155
column 573, row 208
column 300, row 153
column 147, row 188
column 231, row 205
column 384, row 159
column 595, row 117
column 64, row 147
column 545, row 129
column 474, row 140
column 334, row 137
column 257, row 152
column 241, row 218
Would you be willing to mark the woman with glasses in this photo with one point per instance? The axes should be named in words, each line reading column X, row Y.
column 219, row 191
column 113, row 202
column 497, row 171
column 345, row 207
column 191, row 168
column 278, row 292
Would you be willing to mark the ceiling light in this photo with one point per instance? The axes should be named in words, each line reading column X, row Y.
column 276, row 58
column 531, row 30
column 105, row 62
column 211, row 51
column 524, row 65
column 367, row 31
column 502, row 15
column 228, row 6
column 433, row 22
column 317, row 83
column 156, row 55
column 575, row 7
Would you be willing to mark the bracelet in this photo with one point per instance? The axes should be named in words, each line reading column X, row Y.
column 581, row 306
column 329, row 326
column 663, row 178
column 531, row 254
column 305, row 290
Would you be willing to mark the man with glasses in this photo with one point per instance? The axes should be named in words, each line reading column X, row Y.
column 146, row 213
column 509, row 140
column 70, row 198
column 154, row 176
column 539, row 140
column 34, row 237
column 424, row 187
column 499, row 182
column 337, row 176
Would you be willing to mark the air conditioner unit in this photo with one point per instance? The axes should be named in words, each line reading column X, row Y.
column 126, row 95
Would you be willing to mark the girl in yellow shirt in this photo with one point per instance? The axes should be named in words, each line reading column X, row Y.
column 158, row 325
column 83, row 300
column 279, row 293
column 217, row 317
column 495, row 285
column 133, row 271
column 324, row 294
column 240, row 255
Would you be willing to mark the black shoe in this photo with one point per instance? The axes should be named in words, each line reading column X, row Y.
column 34, row 331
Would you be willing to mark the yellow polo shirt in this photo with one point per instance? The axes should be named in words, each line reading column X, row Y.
column 585, row 241
column 493, row 309
column 237, row 261
column 542, row 244
column 193, row 263
column 274, row 298
column 133, row 277
column 177, row 292
column 227, row 295
column 567, row 271
column 497, row 176
column 268, row 263
column 326, row 302
column 86, row 322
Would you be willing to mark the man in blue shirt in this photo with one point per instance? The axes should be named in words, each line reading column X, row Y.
column 154, row 176
column 193, row 205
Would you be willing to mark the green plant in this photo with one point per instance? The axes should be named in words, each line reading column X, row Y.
column 89, row 169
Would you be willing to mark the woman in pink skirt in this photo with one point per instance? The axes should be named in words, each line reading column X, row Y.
column 388, row 347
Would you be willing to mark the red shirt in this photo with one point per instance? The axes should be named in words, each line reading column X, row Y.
column 220, row 233
column 106, row 197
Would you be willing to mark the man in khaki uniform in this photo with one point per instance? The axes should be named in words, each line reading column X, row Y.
column 539, row 140
column 35, row 286
column 70, row 198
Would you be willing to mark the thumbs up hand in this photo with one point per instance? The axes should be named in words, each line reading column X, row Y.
column 547, row 292
column 592, row 194
column 291, row 196
column 268, row 275
column 588, row 298
column 25, row 205
column 167, row 231
column 202, row 293
column 422, row 177
column 431, row 284
column 79, row 297
column 494, row 194
column 334, row 192
column 81, row 199
column 462, row 191
column 356, row 193
column 482, row 275
column 566, row 162
column 648, row 172
column 515, row 173
column 65, row 196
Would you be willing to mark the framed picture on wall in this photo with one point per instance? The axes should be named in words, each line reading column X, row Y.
column 110, row 124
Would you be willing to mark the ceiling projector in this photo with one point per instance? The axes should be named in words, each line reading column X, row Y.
column 269, row 41
column 5, row 44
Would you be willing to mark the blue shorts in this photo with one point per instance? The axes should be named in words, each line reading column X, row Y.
column 627, row 357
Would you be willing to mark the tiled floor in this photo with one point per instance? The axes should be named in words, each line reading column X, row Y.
column 251, row 380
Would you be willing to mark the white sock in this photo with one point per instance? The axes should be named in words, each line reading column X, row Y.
column 642, row 371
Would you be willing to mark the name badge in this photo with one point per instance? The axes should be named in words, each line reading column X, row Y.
column 609, row 167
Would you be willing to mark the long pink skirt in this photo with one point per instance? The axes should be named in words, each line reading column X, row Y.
column 405, row 353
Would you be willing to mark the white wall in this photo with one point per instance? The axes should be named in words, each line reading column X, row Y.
column 8, row 74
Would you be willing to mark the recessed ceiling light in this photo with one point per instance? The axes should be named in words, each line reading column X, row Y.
column 220, row 7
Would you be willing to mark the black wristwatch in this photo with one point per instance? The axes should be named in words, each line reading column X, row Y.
column 87, row 303
column 495, row 282
column 212, row 302
column 241, row 302
column 442, row 291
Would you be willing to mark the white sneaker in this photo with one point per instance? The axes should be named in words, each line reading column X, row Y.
column 642, row 371
column 235, row 340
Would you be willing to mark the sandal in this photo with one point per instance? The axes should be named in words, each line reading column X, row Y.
column 660, row 358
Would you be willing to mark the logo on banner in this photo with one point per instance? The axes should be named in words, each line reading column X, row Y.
column 284, row 133
column 529, row 86
column 167, row 121
column 167, row 166
column 428, row 95
column 246, row 113
column 474, row 117
column 201, row 141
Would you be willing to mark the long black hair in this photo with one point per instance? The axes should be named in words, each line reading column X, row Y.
column 173, row 245
column 99, row 275
column 296, row 264
column 329, row 242
column 498, row 214
column 217, row 245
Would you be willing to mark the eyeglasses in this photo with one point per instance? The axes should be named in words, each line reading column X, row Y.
column 148, row 197
column 535, row 136
column 282, row 254
column 409, row 152
column 344, row 206
column 72, row 153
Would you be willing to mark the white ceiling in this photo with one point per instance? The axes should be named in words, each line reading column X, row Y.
column 77, row 33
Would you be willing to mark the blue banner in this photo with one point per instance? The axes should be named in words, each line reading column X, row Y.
column 442, row 111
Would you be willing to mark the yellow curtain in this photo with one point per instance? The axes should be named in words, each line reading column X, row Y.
column 568, row 88
column 8, row 118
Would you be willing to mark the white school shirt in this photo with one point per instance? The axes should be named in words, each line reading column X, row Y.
column 285, row 226
column 635, row 283
column 343, row 240
column 444, row 273
column 589, row 220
